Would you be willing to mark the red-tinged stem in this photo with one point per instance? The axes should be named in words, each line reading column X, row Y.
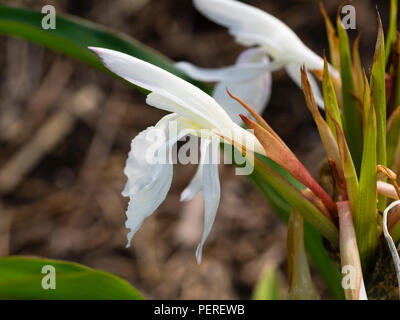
column 281, row 154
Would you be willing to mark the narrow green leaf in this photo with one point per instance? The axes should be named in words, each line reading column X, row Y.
column 394, row 71
column 332, row 39
column 357, row 69
column 328, row 139
column 326, row 267
column 268, row 287
column 281, row 154
column 378, row 91
column 296, row 199
column 301, row 286
column 352, row 122
column 393, row 137
column 350, row 175
column 365, row 217
column 391, row 34
column 21, row 278
column 395, row 232
column 330, row 101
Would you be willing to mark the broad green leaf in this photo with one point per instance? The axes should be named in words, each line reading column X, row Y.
column 391, row 34
column 378, row 91
column 352, row 122
column 393, row 137
column 301, row 286
column 72, row 37
column 365, row 217
column 268, row 287
column 21, row 278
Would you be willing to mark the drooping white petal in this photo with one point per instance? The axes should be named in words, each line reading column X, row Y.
column 149, row 172
column 294, row 73
column 238, row 73
column 211, row 192
column 172, row 93
column 194, row 186
column 252, row 26
column 248, row 24
column 176, row 94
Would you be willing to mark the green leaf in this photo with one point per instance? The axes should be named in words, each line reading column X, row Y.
column 357, row 69
column 352, row 122
column 378, row 91
column 393, row 137
column 301, row 286
column 327, row 137
column 350, row 175
column 327, row 268
column 297, row 200
column 330, row 101
column 73, row 36
column 268, row 287
column 332, row 39
column 365, row 217
column 395, row 232
column 391, row 34
column 21, row 278
column 394, row 71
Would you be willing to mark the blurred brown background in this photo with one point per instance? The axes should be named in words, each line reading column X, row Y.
column 65, row 132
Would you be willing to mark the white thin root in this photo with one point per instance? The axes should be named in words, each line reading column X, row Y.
column 392, row 246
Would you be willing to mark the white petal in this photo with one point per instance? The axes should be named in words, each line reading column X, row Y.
column 211, row 195
column 246, row 21
column 177, row 94
column 255, row 93
column 194, row 186
column 248, row 24
column 252, row 55
column 149, row 172
column 255, row 89
column 172, row 93
column 238, row 72
column 252, row 26
column 294, row 73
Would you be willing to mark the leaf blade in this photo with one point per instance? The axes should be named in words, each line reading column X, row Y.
column 21, row 278
column 352, row 124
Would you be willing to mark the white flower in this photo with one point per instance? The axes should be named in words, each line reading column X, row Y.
column 251, row 26
column 249, row 79
column 149, row 179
